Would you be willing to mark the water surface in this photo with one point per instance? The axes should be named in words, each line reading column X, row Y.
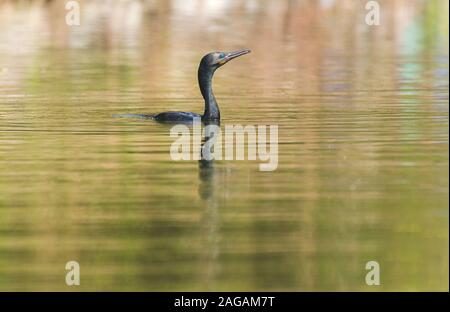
column 363, row 167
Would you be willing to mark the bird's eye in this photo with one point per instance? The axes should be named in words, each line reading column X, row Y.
column 222, row 55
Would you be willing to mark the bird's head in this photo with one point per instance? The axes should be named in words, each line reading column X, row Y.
column 214, row 60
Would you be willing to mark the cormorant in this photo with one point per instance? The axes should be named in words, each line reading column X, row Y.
column 208, row 65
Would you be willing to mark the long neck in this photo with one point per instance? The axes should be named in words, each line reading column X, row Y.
column 205, row 82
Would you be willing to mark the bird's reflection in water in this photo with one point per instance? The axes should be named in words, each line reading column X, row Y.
column 206, row 175
column 207, row 192
column 206, row 162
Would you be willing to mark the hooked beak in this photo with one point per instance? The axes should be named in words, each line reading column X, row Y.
column 233, row 55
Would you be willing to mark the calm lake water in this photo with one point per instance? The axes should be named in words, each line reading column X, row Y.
column 362, row 113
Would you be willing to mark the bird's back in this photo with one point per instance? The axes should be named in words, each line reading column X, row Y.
column 177, row 117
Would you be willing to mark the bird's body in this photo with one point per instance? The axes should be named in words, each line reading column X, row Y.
column 178, row 117
column 208, row 65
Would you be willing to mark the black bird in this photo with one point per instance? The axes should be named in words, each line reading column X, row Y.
column 208, row 65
